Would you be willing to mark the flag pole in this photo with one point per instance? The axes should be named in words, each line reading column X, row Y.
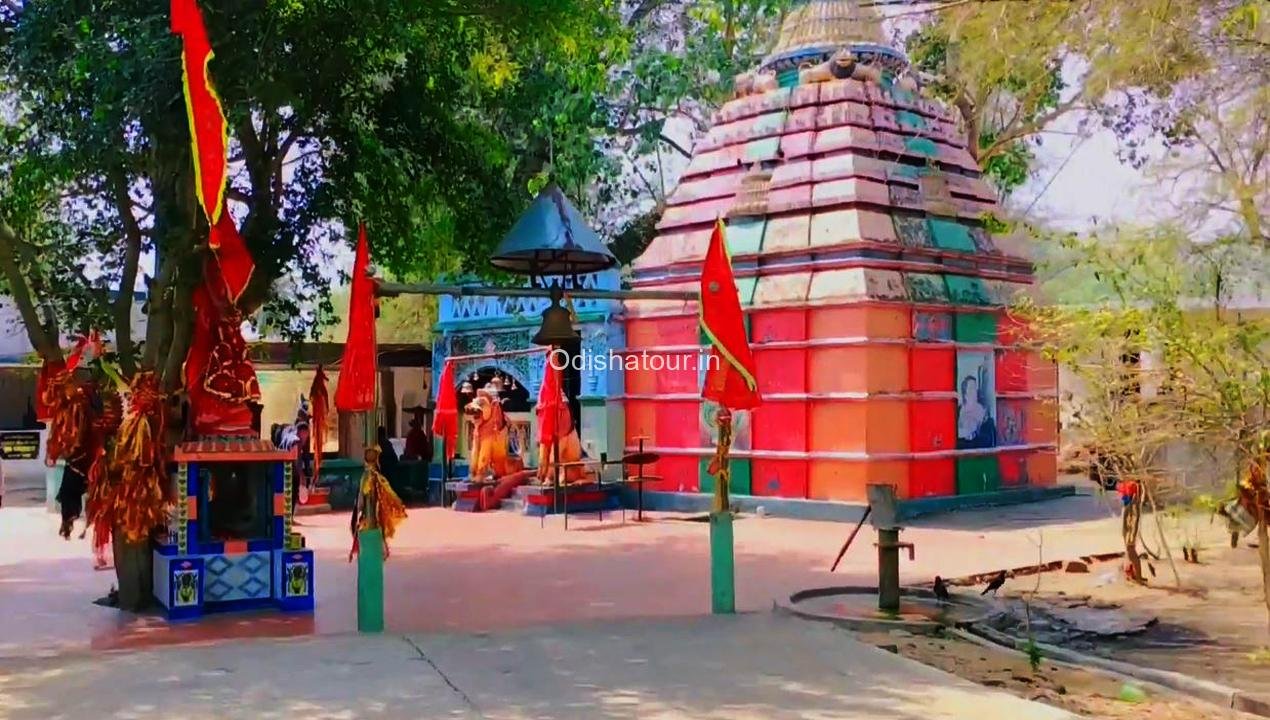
column 370, row 555
column 722, row 557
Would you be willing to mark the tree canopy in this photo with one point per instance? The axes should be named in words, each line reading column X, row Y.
column 426, row 120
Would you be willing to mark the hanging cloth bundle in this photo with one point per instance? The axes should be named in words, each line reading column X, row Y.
column 138, row 494
column 377, row 505
column 66, row 402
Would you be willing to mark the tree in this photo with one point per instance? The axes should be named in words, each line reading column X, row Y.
column 1012, row 69
column 396, row 113
column 1169, row 298
column 681, row 62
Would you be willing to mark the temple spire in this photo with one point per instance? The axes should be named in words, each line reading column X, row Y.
column 814, row 27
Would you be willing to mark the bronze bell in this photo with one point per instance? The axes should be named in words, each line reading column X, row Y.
column 557, row 327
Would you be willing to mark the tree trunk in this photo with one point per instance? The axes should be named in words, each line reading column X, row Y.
column 1131, row 517
column 1164, row 543
column 134, row 570
column 1263, row 552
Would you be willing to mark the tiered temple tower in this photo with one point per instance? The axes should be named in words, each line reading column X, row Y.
column 875, row 298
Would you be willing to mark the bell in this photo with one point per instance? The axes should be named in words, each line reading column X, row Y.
column 557, row 327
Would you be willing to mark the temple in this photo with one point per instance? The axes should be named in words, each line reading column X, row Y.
column 489, row 341
column 875, row 298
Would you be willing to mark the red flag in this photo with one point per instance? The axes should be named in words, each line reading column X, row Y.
column 236, row 265
column 730, row 377
column 208, row 130
column 356, row 390
column 209, row 138
column 445, row 419
column 319, row 406
column 549, row 402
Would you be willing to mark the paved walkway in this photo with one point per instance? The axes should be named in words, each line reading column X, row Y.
column 755, row 667
column 453, row 572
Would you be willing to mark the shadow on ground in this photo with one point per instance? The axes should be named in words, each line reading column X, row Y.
column 739, row 668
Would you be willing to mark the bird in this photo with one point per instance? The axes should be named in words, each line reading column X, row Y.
column 941, row 590
column 995, row 584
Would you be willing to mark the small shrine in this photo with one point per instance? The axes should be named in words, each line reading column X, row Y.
column 491, row 339
column 230, row 544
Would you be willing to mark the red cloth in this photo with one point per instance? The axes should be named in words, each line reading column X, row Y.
column 445, row 420
column 730, row 376
column 209, row 140
column 236, row 265
column 219, row 376
column 208, row 130
column 319, row 406
column 356, row 390
column 48, row 371
column 550, row 403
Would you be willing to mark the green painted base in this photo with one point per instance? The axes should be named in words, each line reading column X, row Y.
column 722, row 565
column 370, row 581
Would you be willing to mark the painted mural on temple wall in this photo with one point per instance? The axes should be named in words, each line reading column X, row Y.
column 976, row 400
column 1011, row 422
column 932, row 326
column 741, row 425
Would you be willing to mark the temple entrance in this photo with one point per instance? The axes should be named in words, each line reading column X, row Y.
column 517, row 406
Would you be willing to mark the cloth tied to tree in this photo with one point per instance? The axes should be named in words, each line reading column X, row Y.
column 219, row 376
column 66, row 402
column 137, row 499
column 99, row 510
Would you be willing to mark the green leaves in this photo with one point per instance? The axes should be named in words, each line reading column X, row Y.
column 1161, row 353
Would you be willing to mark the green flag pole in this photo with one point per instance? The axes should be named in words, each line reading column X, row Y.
column 370, row 541
column 722, row 559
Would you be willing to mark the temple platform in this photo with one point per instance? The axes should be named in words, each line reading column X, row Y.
column 833, row 511
column 539, row 500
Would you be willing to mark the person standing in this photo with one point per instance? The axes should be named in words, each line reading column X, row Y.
column 387, row 454
column 302, row 477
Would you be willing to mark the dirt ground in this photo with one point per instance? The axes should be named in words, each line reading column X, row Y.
column 1077, row 691
column 1214, row 626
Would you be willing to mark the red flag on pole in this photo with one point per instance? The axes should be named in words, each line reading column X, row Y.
column 208, row 130
column 445, row 419
column 730, row 376
column 209, row 139
column 549, row 402
column 356, row 390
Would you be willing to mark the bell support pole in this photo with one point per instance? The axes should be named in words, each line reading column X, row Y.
column 391, row 289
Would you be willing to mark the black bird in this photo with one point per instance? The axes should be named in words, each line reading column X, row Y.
column 995, row 584
column 941, row 590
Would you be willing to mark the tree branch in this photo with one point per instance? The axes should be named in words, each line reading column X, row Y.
column 44, row 342
column 182, row 333
column 676, row 146
column 1029, row 127
column 128, row 280
column 643, row 10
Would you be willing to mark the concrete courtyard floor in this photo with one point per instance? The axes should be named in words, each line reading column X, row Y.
column 465, row 573
column 748, row 667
